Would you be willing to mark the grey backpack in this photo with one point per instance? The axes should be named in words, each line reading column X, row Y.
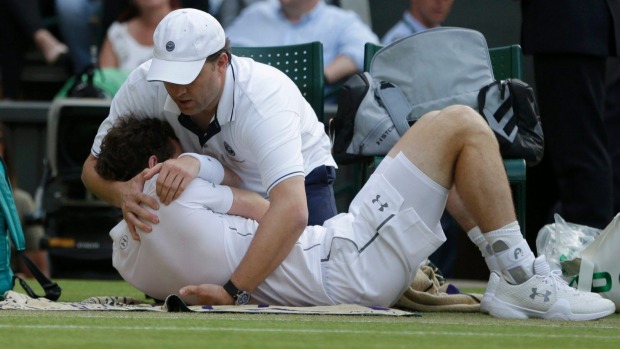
column 428, row 71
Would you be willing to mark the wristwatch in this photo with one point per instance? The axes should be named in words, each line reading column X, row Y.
column 239, row 296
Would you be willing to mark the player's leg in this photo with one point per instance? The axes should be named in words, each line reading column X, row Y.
column 456, row 147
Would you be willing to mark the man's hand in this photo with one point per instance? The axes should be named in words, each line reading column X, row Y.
column 208, row 294
column 174, row 176
column 133, row 213
column 127, row 196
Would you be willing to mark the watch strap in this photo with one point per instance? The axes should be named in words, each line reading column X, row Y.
column 232, row 290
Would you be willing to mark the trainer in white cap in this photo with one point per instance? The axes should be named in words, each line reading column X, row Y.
column 183, row 40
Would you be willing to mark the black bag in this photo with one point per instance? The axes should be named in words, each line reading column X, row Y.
column 83, row 85
column 515, row 121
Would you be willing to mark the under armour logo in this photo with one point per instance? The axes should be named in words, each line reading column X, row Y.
column 124, row 242
column 518, row 252
column 229, row 149
column 383, row 206
column 545, row 295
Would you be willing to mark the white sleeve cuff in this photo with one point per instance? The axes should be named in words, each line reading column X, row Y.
column 210, row 168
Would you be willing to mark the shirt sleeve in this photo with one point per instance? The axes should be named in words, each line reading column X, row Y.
column 276, row 145
column 218, row 198
column 353, row 36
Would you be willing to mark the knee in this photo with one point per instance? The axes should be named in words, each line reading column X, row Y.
column 465, row 123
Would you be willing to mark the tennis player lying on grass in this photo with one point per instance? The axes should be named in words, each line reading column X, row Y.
column 367, row 256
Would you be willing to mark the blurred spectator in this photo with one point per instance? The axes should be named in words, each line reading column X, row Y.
column 112, row 9
column 80, row 26
column 288, row 22
column 33, row 231
column 570, row 42
column 422, row 15
column 129, row 41
column 21, row 19
column 230, row 9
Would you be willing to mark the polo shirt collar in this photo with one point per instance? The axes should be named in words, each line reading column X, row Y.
column 225, row 109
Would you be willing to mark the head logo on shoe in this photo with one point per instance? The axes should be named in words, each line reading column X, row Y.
column 383, row 206
column 544, row 295
column 518, row 253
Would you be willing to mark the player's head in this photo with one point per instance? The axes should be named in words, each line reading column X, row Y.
column 131, row 143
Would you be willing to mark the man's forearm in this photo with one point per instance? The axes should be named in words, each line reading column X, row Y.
column 276, row 235
column 340, row 68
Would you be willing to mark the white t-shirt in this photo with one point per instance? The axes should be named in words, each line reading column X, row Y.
column 196, row 243
column 130, row 53
column 268, row 131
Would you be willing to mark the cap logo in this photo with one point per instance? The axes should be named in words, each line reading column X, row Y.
column 169, row 46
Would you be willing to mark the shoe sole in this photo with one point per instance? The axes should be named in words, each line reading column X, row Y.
column 559, row 311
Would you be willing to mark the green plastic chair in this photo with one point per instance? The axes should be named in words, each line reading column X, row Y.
column 303, row 63
column 506, row 62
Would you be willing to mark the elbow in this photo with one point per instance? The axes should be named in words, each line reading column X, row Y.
column 87, row 169
column 299, row 217
column 84, row 175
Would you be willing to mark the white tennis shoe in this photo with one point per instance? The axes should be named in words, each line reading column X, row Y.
column 545, row 295
column 489, row 292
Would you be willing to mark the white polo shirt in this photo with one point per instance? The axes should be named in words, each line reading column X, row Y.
column 269, row 132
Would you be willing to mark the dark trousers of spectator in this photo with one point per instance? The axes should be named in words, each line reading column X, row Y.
column 612, row 124
column 576, row 170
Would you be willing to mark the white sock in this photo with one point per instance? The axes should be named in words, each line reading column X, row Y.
column 514, row 257
column 475, row 235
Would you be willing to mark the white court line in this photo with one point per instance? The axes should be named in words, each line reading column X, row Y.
column 304, row 331
column 533, row 324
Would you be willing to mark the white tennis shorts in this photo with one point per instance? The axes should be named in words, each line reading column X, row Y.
column 394, row 226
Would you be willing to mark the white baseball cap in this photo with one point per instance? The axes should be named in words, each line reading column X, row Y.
column 183, row 40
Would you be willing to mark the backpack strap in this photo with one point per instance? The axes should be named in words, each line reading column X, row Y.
column 394, row 101
column 51, row 288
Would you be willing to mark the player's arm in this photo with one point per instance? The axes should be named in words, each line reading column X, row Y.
column 248, row 204
column 225, row 199
column 176, row 174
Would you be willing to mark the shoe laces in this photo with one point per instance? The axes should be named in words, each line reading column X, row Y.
column 552, row 277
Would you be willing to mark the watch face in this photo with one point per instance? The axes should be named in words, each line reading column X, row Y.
column 243, row 298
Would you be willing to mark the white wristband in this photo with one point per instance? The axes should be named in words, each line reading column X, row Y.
column 210, row 168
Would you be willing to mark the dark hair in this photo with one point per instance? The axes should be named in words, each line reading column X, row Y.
column 225, row 49
column 126, row 148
